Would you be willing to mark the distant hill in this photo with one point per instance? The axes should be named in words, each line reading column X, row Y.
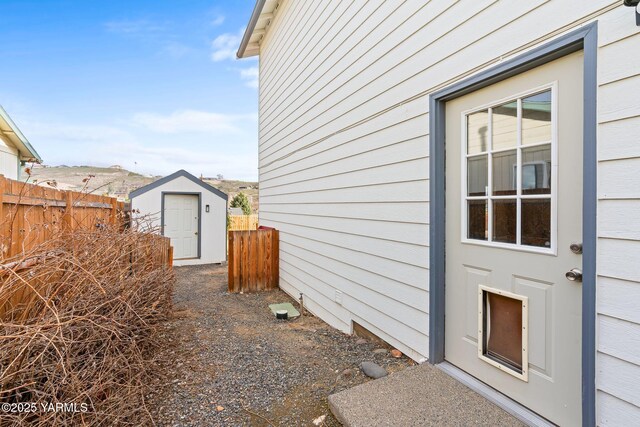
column 233, row 187
column 115, row 181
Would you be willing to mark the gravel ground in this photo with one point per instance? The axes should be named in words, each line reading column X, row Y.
column 229, row 362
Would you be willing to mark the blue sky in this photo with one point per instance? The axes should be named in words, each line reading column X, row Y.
column 119, row 82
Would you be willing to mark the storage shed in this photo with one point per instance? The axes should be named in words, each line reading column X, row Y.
column 192, row 213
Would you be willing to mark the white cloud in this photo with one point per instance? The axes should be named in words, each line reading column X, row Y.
column 218, row 20
column 250, row 76
column 177, row 50
column 225, row 46
column 139, row 26
column 163, row 160
column 76, row 133
column 194, row 121
column 144, row 150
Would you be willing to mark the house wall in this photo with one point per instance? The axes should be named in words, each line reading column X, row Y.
column 213, row 223
column 344, row 168
column 9, row 164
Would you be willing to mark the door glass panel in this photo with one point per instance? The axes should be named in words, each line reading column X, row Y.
column 504, row 221
column 536, row 118
column 504, row 168
column 477, row 219
column 536, row 170
column 536, row 222
column 477, row 129
column 507, row 174
column 505, row 126
column 477, row 176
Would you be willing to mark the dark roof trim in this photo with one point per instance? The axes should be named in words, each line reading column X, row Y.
column 257, row 10
column 178, row 174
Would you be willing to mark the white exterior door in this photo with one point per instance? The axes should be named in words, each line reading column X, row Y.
column 181, row 224
column 514, row 208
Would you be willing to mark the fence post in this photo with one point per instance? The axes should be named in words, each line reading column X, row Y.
column 2, row 218
column 114, row 211
column 275, row 258
column 68, row 211
column 2, row 183
column 230, row 275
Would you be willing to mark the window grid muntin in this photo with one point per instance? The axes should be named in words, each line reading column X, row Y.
column 489, row 197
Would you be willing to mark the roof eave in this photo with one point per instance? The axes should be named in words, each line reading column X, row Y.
column 181, row 173
column 26, row 150
column 255, row 15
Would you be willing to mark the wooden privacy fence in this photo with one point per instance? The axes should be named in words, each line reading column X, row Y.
column 157, row 248
column 130, row 253
column 32, row 214
column 253, row 260
column 243, row 222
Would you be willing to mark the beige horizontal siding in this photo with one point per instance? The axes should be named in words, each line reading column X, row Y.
column 619, row 139
column 613, row 219
column 365, row 236
column 613, row 412
column 376, row 211
column 619, row 298
column 424, row 59
column 616, row 53
column 618, row 286
column 344, row 151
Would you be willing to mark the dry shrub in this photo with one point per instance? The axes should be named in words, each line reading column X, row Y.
column 79, row 317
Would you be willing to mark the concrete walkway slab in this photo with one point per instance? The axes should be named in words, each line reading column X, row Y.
column 417, row 396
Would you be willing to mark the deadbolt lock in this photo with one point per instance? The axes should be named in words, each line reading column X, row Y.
column 576, row 248
column 574, row 275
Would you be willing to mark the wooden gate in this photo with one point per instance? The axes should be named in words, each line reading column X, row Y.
column 253, row 260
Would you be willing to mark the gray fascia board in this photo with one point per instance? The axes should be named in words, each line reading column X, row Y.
column 255, row 15
column 137, row 192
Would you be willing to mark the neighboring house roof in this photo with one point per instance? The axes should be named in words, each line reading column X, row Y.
column 11, row 132
column 178, row 174
column 263, row 13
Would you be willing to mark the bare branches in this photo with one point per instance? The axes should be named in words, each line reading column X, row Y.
column 78, row 324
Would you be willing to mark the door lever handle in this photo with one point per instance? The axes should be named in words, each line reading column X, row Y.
column 574, row 275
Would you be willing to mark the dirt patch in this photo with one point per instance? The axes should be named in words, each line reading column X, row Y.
column 228, row 351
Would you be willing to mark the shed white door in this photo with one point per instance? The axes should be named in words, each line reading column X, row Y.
column 181, row 224
column 514, row 207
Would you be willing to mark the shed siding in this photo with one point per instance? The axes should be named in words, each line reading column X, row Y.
column 9, row 164
column 344, row 164
column 213, row 223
